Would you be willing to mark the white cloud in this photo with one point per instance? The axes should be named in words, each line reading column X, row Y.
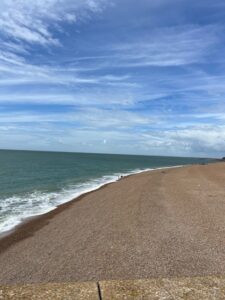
column 24, row 23
column 199, row 140
column 173, row 46
column 32, row 21
column 115, row 85
column 124, row 131
column 87, row 118
column 191, row 141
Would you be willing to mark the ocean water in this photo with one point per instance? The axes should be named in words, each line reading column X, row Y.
column 33, row 183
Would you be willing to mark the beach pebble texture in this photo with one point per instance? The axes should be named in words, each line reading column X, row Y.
column 154, row 224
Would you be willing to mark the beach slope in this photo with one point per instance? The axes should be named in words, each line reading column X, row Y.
column 160, row 223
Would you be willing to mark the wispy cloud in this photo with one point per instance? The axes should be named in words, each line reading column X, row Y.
column 148, row 79
column 24, row 24
column 173, row 46
column 44, row 131
column 33, row 21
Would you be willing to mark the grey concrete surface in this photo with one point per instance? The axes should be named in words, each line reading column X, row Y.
column 188, row 288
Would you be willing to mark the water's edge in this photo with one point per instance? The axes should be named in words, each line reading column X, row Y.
column 7, row 230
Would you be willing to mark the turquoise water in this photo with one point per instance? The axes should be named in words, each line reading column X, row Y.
column 33, row 183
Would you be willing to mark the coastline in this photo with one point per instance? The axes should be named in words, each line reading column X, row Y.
column 106, row 235
column 32, row 224
column 49, row 214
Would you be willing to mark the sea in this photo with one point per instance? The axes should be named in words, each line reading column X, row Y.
column 33, row 183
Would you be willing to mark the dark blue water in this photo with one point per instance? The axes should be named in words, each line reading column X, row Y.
column 33, row 183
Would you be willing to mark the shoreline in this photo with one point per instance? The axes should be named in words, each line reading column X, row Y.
column 64, row 205
column 156, row 223
column 30, row 225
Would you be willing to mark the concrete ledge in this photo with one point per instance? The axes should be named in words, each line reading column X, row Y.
column 193, row 288
column 51, row 291
column 197, row 288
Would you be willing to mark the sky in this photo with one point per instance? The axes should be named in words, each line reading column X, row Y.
column 113, row 76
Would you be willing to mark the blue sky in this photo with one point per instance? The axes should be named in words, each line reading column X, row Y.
column 113, row 76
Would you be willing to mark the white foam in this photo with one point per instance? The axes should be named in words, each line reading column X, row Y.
column 15, row 209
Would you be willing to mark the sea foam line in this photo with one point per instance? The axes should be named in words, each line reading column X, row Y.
column 16, row 209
